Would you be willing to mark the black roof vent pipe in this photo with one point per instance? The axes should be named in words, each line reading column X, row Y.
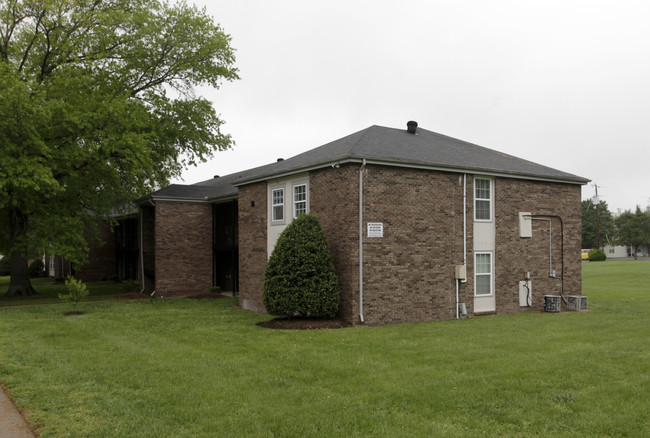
column 280, row 159
column 411, row 127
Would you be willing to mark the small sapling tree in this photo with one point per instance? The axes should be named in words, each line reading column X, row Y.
column 300, row 279
column 76, row 291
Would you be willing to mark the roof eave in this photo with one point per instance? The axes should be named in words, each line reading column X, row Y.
column 413, row 165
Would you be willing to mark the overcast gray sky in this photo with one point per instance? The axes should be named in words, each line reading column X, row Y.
column 561, row 83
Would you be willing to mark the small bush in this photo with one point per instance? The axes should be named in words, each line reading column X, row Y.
column 76, row 291
column 36, row 269
column 5, row 268
column 131, row 286
column 113, row 277
column 300, row 280
column 597, row 255
column 215, row 289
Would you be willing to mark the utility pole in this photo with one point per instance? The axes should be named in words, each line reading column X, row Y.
column 596, row 201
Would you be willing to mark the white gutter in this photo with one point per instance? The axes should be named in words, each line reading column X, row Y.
column 363, row 166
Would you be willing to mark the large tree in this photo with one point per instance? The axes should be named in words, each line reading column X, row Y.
column 597, row 224
column 98, row 107
column 633, row 229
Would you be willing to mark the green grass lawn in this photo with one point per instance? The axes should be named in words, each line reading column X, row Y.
column 48, row 292
column 198, row 368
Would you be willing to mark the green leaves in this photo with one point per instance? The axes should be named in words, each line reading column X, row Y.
column 97, row 107
column 300, row 279
column 76, row 291
column 633, row 229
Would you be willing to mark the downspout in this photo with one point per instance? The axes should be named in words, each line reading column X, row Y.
column 458, row 281
column 363, row 167
column 465, row 222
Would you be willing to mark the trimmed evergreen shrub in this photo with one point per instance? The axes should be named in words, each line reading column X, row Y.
column 597, row 255
column 300, row 280
column 36, row 269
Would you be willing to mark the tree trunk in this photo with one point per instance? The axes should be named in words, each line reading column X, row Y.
column 19, row 284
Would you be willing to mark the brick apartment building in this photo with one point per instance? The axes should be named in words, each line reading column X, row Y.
column 417, row 222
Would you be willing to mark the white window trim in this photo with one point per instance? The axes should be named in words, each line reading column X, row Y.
column 491, row 200
column 284, row 203
column 293, row 197
column 491, row 274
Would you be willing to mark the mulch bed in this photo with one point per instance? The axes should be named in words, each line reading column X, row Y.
column 303, row 324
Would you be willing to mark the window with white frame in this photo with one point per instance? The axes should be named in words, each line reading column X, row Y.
column 483, row 274
column 277, row 202
column 482, row 199
column 299, row 199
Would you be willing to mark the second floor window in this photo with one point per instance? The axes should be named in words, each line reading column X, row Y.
column 299, row 199
column 482, row 199
column 277, row 200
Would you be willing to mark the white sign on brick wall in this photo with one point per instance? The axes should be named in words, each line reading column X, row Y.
column 375, row 229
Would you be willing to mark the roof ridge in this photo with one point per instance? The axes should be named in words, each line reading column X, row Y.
column 358, row 142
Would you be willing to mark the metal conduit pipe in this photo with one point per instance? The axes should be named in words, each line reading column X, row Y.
column 550, row 216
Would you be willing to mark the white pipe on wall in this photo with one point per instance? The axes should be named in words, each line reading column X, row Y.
column 363, row 166
column 465, row 223
column 458, row 281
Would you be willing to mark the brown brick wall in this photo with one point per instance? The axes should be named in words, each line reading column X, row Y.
column 252, row 245
column 101, row 257
column 337, row 207
column 515, row 255
column 409, row 273
column 183, row 248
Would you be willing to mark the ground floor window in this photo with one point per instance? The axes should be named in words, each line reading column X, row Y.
column 483, row 273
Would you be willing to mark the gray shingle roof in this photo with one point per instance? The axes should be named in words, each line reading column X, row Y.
column 380, row 145
column 425, row 149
